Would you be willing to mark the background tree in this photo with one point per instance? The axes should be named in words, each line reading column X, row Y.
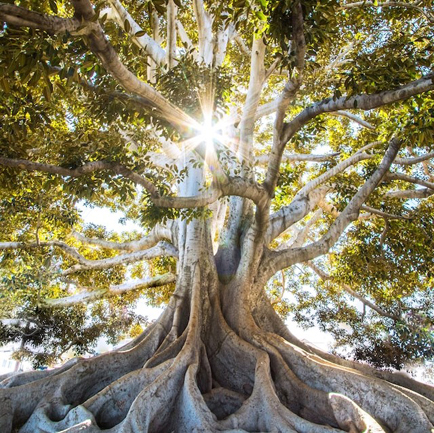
column 247, row 138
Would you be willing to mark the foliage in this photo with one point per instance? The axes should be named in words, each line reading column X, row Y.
column 59, row 106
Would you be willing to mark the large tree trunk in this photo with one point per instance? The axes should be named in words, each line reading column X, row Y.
column 216, row 360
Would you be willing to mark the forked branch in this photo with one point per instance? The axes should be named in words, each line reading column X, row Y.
column 282, row 259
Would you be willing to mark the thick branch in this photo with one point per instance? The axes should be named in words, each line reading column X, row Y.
column 232, row 186
column 298, row 41
column 161, row 249
column 85, row 169
column 84, row 14
column 298, row 157
column 171, row 34
column 294, row 212
column 235, row 186
column 266, row 109
column 155, row 25
column 204, row 26
column 221, row 44
column 94, row 295
column 298, row 45
column 111, row 62
column 363, row 102
column 283, row 259
column 302, row 204
column 256, row 81
column 21, row 17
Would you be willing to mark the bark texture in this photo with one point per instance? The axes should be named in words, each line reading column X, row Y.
column 200, row 368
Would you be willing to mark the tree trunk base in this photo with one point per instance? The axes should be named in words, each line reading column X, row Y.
column 202, row 376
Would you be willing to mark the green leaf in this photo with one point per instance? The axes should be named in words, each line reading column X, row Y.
column 127, row 26
column 47, row 93
column 53, row 6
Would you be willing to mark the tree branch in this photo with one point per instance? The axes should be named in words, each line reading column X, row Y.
column 266, row 109
column 94, row 295
column 72, row 252
column 256, row 81
column 363, row 102
column 242, row 45
column 161, row 249
column 231, row 186
column 22, row 17
column 298, row 45
column 221, row 44
column 353, row 118
column 149, row 45
column 410, row 179
column 303, row 203
column 111, row 62
column 157, row 234
column 287, row 216
column 204, row 25
column 184, row 36
column 298, row 157
column 415, row 160
column 171, row 34
column 272, row 68
column 348, row 289
column 302, row 233
column 85, row 169
column 383, row 214
column 410, row 193
column 339, row 168
column 99, row 45
column 282, row 259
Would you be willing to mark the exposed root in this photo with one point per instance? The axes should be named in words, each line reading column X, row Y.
column 223, row 402
column 210, row 379
column 263, row 410
column 403, row 416
column 351, row 417
column 269, row 321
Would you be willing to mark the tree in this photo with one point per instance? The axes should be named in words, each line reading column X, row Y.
column 209, row 133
